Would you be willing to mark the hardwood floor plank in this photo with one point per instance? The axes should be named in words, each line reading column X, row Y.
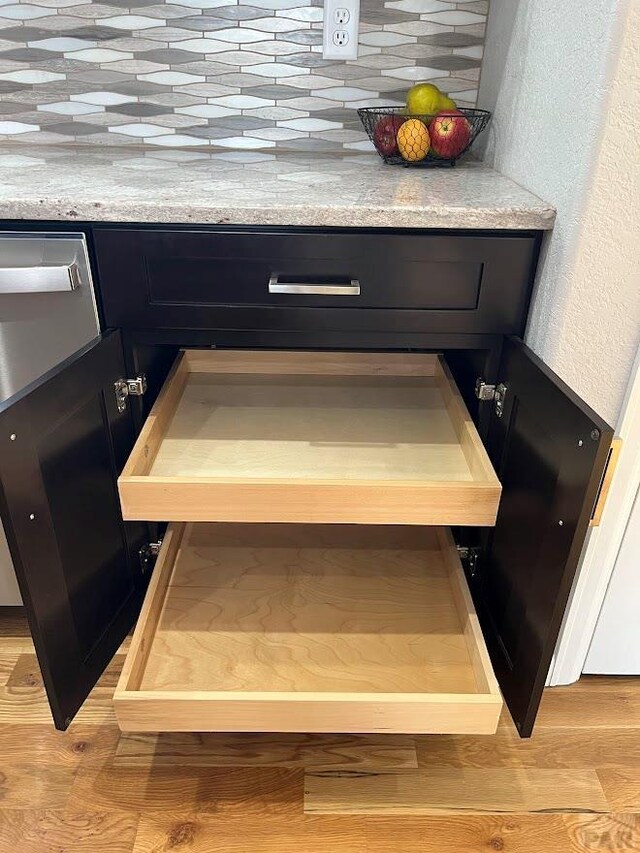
column 22, row 694
column 31, row 707
column 43, row 745
column 110, row 676
column 60, row 832
column 7, row 664
column 212, row 833
column 610, row 833
column 544, row 833
column 276, row 750
column 33, row 786
column 244, row 791
column 622, row 785
column 594, row 702
column 25, row 673
column 549, row 748
column 453, row 790
column 11, row 648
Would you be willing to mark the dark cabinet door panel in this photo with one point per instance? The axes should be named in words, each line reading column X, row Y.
column 292, row 279
column 62, row 444
column 549, row 450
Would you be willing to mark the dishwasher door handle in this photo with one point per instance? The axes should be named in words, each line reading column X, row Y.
column 351, row 287
column 44, row 279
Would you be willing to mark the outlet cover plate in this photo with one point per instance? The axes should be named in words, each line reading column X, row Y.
column 340, row 30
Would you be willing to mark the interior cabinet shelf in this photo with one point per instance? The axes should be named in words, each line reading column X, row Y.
column 310, row 437
column 304, row 628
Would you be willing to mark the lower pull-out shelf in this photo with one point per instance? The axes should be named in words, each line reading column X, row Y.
column 308, row 628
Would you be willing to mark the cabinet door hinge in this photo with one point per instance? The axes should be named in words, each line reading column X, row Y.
column 148, row 554
column 469, row 557
column 497, row 393
column 124, row 388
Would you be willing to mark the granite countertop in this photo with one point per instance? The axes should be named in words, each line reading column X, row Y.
column 257, row 188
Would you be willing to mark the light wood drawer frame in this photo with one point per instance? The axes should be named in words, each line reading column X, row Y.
column 227, row 711
column 430, row 502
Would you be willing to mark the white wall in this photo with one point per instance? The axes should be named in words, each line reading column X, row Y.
column 564, row 81
column 615, row 646
column 547, row 75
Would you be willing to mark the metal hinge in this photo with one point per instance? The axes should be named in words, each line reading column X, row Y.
column 469, row 556
column 497, row 393
column 129, row 388
column 484, row 391
column 148, row 554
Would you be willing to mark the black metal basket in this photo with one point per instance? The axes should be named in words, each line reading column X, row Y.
column 370, row 116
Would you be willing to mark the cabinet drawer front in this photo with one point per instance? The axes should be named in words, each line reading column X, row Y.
column 382, row 635
column 307, row 280
column 309, row 437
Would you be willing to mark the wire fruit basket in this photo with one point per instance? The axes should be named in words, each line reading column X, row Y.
column 383, row 123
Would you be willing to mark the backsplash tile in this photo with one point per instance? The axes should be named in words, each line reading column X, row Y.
column 246, row 74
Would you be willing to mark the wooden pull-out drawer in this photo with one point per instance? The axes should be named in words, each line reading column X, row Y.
column 308, row 628
column 310, row 437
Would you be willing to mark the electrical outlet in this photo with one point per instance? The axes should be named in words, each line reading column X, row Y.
column 340, row 32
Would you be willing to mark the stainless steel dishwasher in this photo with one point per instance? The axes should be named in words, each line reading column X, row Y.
column 47, row 313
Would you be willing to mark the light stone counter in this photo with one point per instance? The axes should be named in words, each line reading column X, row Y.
column 257, row 188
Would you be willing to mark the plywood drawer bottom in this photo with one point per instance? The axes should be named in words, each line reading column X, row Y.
column 308, row 628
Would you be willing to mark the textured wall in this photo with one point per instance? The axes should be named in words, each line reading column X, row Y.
column 548, row 74
column 232, row 73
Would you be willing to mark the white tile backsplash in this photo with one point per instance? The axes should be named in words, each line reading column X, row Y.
column 244, row 74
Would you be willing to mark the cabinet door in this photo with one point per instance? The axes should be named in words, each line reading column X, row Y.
column 62, row 444
column 549, row 450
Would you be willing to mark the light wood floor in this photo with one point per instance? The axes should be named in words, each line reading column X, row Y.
column 573, row 788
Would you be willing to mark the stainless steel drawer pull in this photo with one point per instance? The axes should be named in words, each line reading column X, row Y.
column 351, row 288
column 39, row 279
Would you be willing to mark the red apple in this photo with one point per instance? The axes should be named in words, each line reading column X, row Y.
column 450, row 133
column 385, row 133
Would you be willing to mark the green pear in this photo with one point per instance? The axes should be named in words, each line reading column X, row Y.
column 447, row 103
column 424, row 99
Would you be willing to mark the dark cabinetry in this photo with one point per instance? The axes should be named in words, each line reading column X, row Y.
column 64, row 443
column 305, row 281
column 456, row 293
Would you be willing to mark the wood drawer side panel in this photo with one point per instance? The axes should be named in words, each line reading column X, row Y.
column 147, row 623
column 156, row 425
column 485, row 677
